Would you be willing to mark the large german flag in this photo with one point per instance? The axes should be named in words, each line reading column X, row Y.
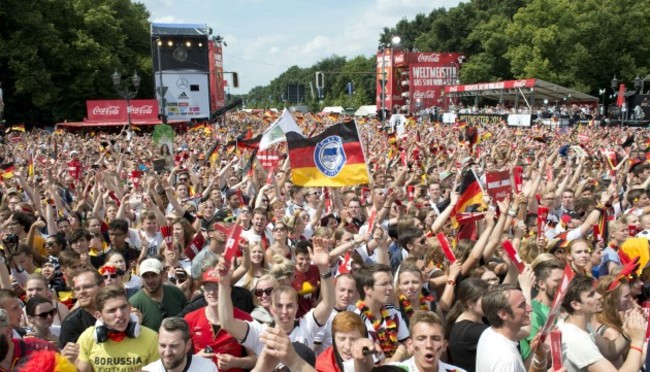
column 470, row 194
column 333, row 158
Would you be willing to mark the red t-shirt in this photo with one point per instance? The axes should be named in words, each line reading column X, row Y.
column 308, row 287
column 203, row 335
column 326, row 361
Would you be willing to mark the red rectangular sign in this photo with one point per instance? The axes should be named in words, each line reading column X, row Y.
column 115, row 110
column 498, row 184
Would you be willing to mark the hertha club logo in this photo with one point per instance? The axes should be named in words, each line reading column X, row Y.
column 329, row 156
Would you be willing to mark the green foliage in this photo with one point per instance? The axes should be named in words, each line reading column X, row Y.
column 56, row 54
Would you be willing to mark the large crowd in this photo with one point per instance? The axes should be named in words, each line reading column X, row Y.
column 117, row 251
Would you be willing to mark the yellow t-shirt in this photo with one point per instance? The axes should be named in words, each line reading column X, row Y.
column 130, row 354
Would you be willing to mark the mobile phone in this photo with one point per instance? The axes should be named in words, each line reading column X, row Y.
column 208, row 350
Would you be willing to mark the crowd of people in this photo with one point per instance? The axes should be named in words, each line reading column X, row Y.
column 117, row 251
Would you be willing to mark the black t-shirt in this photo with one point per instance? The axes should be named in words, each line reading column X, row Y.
column 74, row 324
column 463, row 341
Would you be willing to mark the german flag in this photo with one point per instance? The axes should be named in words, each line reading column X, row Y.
column 16, row 128
column 334, row 158
column 196, row 127
column 7, row 170
column 470, row 194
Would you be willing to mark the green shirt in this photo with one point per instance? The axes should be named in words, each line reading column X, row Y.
column 540, row 314
column 153, row 312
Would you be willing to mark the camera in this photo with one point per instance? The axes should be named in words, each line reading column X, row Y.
column 10, row 240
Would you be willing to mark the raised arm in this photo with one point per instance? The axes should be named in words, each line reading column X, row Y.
column 236, row 327
column 320, row 257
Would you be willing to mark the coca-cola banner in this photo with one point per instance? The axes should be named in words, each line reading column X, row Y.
column 508, row 84
column 144, row 109
column 106, row 110
column 115, row 110
column 429, row 74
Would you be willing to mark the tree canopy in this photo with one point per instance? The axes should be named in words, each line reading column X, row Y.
column 56, row 54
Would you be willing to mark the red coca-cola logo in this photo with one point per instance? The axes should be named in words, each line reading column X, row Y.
column 429, row 94
column 519, row 83
column 142, row 110
column 107, row 110
column 429, row 58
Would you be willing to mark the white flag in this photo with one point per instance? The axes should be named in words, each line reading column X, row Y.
column 276, row 132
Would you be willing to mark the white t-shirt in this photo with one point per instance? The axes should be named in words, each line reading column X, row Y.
column 496, row 353
column 304, row 332
column 410, row 366
column 583, row 350
column 198, row 364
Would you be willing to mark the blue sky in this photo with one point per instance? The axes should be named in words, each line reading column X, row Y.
column 265, row 37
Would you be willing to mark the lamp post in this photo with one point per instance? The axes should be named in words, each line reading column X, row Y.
column 124, row 90
column 163, row 113
column 395, row 40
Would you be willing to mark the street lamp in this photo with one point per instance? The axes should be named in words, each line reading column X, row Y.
column 395, row 40
column 125, row 91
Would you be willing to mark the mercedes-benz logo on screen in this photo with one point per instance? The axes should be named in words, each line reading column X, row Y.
column 182, row 83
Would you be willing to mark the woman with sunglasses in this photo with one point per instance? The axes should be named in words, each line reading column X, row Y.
column 114, row 275
column 262, row 299
column 131, row 281
column 280, row 246
column 37, row 285
column 40, row 314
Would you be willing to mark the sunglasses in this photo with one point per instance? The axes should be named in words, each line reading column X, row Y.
column 279, row 229
column 46, row 314
column 265, row 291
column 110, row 276
column 183, row 179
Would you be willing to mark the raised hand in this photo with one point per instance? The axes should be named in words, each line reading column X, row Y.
column 319, row 254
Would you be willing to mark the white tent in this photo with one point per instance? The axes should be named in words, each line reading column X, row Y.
column 336, row 109
column 367, row 110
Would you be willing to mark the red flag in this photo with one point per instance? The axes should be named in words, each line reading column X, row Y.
column 513, row 255
column 346, row 265
column 195, row 246
column 444, row 243
column 166, row 232
column 232, row 244
column 557, row 302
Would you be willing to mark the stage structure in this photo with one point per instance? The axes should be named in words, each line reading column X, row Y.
column 188, row 71
column 414, row 80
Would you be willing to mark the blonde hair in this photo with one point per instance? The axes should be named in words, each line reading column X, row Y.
column 281, row 267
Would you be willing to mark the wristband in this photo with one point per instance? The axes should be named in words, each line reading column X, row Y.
column 327, row 275
column 451, row 282
column 637, row 349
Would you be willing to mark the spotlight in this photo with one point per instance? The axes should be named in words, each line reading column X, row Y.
column 188, row 44
column 170, row 43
